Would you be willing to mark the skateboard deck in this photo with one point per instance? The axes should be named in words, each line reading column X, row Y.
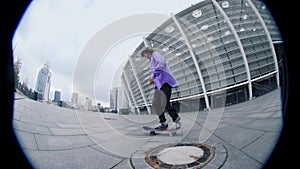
column 152, row 131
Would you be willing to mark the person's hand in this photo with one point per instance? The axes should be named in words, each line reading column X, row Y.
column 152, row 80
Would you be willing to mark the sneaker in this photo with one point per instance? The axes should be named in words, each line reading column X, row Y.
column 178, row 125
column 161, row 127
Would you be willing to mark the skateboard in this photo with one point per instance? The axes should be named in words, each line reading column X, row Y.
column 152, row 131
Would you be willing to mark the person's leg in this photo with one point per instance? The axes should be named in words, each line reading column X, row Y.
column 167, row 90
column 163, row 121
column 162, row 118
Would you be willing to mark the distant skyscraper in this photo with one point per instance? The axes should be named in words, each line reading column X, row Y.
column 118, row 99
column 112, row 99
column 57, row 96
column 74, row 98
column 88, row 104
column 43, row 83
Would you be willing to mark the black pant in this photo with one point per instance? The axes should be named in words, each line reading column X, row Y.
column 167, row 89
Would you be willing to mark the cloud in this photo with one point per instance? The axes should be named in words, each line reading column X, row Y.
column 48, row 32
column 57, row 31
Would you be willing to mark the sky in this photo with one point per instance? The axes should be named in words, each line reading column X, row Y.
column 58, row 32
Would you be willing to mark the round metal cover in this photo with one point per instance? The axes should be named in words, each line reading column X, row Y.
column 188, row 155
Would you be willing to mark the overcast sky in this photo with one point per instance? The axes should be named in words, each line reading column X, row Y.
column 56, row 31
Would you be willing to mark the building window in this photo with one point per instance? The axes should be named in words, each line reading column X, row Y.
column 204, row 27
column 178, row 54
column 137, row 59
column 165, row 49
column 181, row 39
column 197, row 13
column 242, row 29
column 210, row 38
column 169, row 29
column 225, row 4
column 227, row 32
column 245, row 16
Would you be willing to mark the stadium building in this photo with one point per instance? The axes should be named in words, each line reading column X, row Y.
column 221, row 53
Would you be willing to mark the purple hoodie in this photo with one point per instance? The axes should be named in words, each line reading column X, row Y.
column 160, row 71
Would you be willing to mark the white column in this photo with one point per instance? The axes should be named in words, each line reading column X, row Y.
column 125, row 78
column 238, row 40
column 269, row 38
column 194, row 59
column 146, row 43
column 139, row 84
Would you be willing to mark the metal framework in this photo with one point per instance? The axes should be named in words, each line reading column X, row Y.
column 130, row 92
column 269, row 38
column 194, row 60
column 238, row 40
column 139, row 84
column 146, row 43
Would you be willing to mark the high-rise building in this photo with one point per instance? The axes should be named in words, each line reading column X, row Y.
column 118, row 99
column 221, row 52
column 43, row 83
column 74, row 99
column 112, row 99
column 88, row 104
column 57, row 96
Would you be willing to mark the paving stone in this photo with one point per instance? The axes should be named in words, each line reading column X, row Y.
column 236, row 121
column 273, row 108
column 81, row 158
column 122, row 145
column 66, row 125
column 238, row 136
column 124, row 164
column 46, row 142
column 26, row 140
column 104, row 151
column 210, row 166
column 219, row 160
column 277, row 114
column 37, row 121
column 261, row 148
column 237, row 159
column 30, row 128
column 274, row 125
column 261, row 115
column 67, row 131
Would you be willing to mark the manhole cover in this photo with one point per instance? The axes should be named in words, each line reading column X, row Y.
column 181, row 156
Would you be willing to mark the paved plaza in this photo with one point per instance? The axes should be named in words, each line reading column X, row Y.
column 55, row 137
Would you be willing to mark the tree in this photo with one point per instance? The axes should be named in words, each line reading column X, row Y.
column 17, row 68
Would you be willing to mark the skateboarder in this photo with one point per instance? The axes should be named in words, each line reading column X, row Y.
column 164, row 81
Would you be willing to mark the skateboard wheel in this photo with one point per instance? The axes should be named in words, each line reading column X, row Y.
column 152, row 133
column 172, row 134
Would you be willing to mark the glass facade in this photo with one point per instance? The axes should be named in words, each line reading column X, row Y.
column 43, row 83
column 224, row 44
